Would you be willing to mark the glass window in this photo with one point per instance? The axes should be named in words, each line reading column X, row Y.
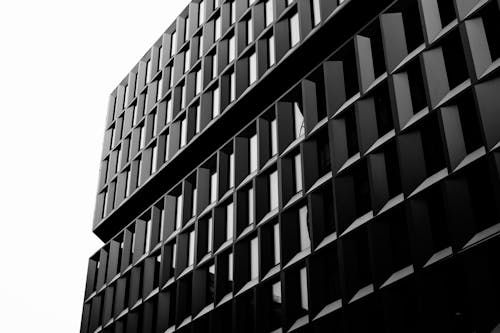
column 191, row 249
column 251, row 206
column 230, row 267
column 274, row 137
column 154, row 159
column 213, row 187
column 174, row 256
column 218, row 29
column 183, row 95
column 298, row 120
column 169, row 110
column 269, row 12
column 198, row 119
column 183, row 139
column 178, row 212
column 200, row 45
column 253, row 154
column 187, row 60
column 186, row 29
column 162, row 222
column 271, row 51
column 254, row 259
column 173, row 47
column 128, row 187
column 294, row 30
column 125, row 98
column 232, row 13
column 215, row 102
column 229, row 221
column 249, row 31
column 232, row 48
column 276, row 240
column 316, row 14
column 201, row 13
column 198, row 82
column 160, row 57
column 143, row 136
column 171, row 71
column 304, row 303
column 232, row 86
column 167, row 146
column 297, row 166
column 210, row 232
column 231, row 170
column 160, row 88
column 305, row 241
column 149, row 226
column 214, row 66
column 252, row 64
column 148, row 71
column 194, row 201
column 273, row 190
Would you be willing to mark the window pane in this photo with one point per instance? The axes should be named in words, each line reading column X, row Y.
column 183, row 132
column 183, row 96
column 213, row 187
column 214, row 66
column 198, row 119
column 173, row 47
column 148, row 71
column 217, row 28
column 178, row 212
column 229, row 221
column 271, row 50
column 154, row 159
column 269, row 12
column 216, row 103
column 253, row 153
column 149, row 226
column 210, row 228
column 232, row 84
column 160, row 88
column 273, row 190
column 169, row 110
column 194, row 201
column 251, row 207
column 316, row 16
column 274, row 137
column 233, row 11
column 252, row 63
column 198, row 82
column 304, row 303
column 191, row 249
column 162, row 222
column 232, row 48
column 305, row 241
column 201, row 13
column 297, row 163
column 231, row 170
column 276, row 239
column 254, row 259
column 187, row 60
column 298, row 120
column 230, row 267
column 294, row 30
column 277, row 292
column 249, row 31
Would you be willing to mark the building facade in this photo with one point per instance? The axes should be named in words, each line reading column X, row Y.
column 304, row 166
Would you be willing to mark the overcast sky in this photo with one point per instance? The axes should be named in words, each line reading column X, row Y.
column 60, row 61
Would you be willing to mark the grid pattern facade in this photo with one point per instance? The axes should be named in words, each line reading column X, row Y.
column 365, row 195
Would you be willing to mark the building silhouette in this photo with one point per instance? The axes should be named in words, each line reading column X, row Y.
column 304, row 166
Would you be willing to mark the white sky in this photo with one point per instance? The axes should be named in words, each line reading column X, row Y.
column 60, row 61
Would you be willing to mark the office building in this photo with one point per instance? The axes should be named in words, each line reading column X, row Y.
column 304, row 166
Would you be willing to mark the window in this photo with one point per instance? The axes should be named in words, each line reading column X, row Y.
column 230, row 267
column 148, row 71
column 125, row 98
column 178, row 212
column 198, row 119
column 254, row 259
column 304, row 303
column 173, row 47
column 251, row 206
column 186, row 29
column 297, row 168
column 194, row 201
column 214, row 66
column 154, row 158
column 273, row 190
column 197, row 82
column 252, row 68
column 171, row 71
column 271, row 56
column 294, row 30
column 128, row 187
column 274, row 137
column 149, row 226
column 183, row 95
column 187, row 60
column 160, row 57
column 167, row 144
column 232, row 49
column 160, row 88
column 232, row 12
column 201, row 13
column 183, row 131
column 249, row 24
column 276, row 241
column 210, row 232
column 218, row 29
column 253, row 165
column 305, row 241
column 213, row 187
column 191, row 249
column 231, row 170
column 298, row 120
column 162, row 222
column 269, row 12
column 316, row 14
column 229, row 221
column 215, row 102
column 142, row 136
column 251, row 2
column 169, row 110
column 232, row 86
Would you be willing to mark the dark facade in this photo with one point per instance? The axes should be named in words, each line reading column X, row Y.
column 304, row 166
